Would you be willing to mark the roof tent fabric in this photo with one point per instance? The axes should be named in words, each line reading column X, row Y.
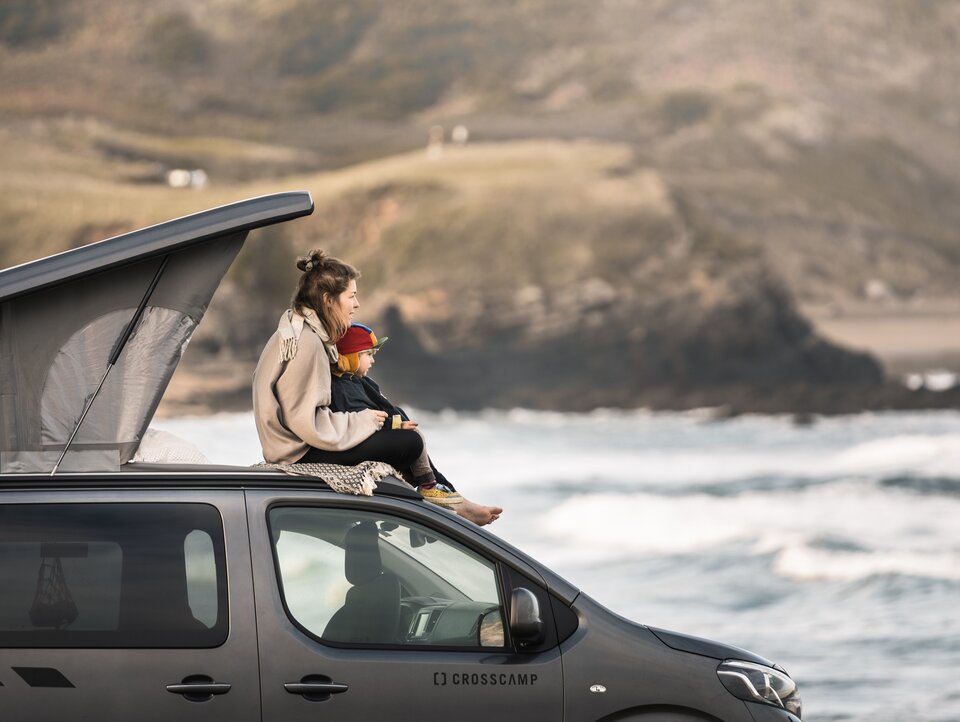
column 61, row 318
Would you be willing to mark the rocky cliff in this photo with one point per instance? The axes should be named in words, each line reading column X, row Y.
column 602, row 287
column 643, row 193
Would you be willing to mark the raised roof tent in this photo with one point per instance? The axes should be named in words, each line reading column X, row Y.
column 63, row 319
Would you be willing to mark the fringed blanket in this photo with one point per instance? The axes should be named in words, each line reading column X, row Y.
column 359, row 480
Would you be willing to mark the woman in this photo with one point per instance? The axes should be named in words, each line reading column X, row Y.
column 291, row 386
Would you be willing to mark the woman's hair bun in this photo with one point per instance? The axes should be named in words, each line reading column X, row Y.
column 312, row 260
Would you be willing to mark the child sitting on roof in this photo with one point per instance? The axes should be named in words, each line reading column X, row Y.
column 352, row 389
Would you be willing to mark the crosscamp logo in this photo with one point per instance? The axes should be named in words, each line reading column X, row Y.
column 484, row 679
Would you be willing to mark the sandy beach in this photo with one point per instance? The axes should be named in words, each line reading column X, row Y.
column 906, row 340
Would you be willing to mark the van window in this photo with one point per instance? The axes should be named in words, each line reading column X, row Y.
column 112, row 575
column 351, row 577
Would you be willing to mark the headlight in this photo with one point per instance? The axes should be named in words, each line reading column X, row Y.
column 758, row 683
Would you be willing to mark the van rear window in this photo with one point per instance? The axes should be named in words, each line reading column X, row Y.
column 112, row 575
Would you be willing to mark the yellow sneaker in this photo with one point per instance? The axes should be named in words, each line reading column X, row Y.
column 438, row 496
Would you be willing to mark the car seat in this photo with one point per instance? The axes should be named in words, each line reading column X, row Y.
column 371, row 609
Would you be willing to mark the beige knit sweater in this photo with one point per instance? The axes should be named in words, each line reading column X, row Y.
column 291, row 402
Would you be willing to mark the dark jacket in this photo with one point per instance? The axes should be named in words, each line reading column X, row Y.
column 353, row 393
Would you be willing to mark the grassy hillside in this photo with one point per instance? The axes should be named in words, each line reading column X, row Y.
column 486, row 228
column 825, row 133
column 601, row 286
column 621, row 154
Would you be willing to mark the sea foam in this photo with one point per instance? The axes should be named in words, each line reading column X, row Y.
column 871, row 529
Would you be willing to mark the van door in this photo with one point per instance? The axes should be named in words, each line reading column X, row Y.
column 116, row 606
column 367, row 612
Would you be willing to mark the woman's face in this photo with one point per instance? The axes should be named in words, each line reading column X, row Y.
column 347, row 302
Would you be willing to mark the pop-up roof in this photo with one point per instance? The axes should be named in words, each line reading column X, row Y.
column 114, row 315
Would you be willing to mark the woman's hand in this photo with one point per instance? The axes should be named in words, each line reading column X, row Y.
column 408, row 425
column 380, row 417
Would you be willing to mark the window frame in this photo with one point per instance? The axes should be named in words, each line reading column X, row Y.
column 210, row 638
column 500, row 577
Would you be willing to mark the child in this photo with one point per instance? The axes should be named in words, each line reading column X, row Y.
column 352, row 389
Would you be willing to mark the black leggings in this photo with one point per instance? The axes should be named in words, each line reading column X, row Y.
column 397, row 447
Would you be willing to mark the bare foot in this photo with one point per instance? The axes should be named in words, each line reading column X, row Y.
column 479, row 515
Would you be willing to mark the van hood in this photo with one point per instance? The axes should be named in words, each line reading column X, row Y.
column 107, row 323
column 706, row 647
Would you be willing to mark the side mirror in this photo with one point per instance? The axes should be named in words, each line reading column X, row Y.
column 490, row 629
column 526, row 624
column 417, row 539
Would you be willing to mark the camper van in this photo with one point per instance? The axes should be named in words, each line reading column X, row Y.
column 157, row 592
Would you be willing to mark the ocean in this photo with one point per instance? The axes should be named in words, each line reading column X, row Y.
column 832, row 548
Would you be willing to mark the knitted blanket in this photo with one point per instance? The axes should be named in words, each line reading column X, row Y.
column 359, row 480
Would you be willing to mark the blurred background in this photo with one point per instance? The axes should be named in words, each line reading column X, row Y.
column 738, row 216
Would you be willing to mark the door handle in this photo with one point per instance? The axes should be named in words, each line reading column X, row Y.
column 315, row 687
column 198, row 688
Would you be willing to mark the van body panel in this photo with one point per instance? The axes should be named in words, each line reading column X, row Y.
column 130, row 683
column 706, row 647
column 637, row 670
column 395, row 683
column 766, row 713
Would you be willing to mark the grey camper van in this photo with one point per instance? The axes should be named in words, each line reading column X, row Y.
column 133, row 591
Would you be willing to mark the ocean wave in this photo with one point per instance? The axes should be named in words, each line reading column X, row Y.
column 646, row 450
column 640, row 451
column 934, row 485
column 804, row 562
column 884, row 489
column 868, row 531
column 918, row 455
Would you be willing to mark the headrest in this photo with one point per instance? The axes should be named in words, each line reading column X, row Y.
column 361, row 545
